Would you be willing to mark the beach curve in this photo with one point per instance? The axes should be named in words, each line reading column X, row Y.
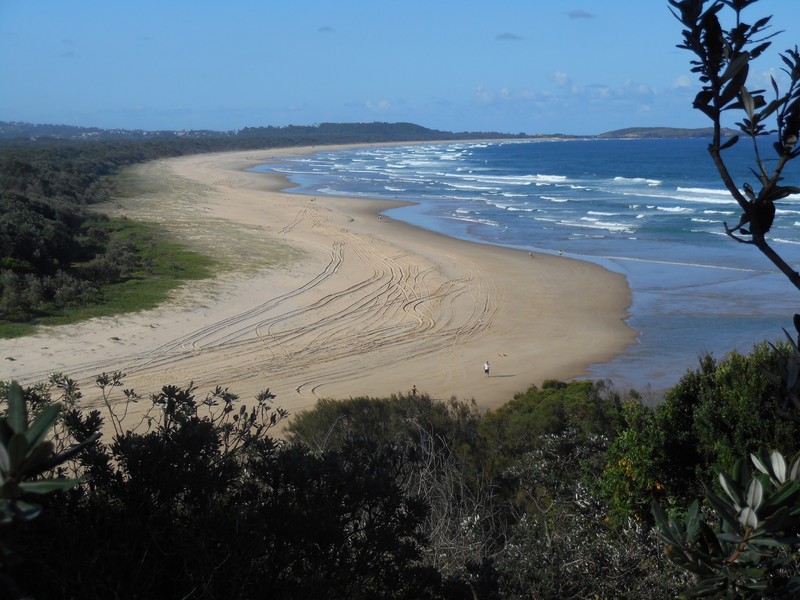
column 322, row 298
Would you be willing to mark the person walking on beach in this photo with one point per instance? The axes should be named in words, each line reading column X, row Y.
column 413, row 390
column 486, row 368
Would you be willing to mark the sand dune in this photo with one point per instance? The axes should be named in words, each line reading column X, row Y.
column 320, row 298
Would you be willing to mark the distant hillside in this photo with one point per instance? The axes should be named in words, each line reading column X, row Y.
column 304, row 135
column 662, row 132
column 331, row 133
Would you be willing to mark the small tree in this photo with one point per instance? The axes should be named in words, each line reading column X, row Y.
column 745, row 545
column 723, row 59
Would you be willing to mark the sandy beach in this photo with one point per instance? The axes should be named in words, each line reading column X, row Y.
column 319, row 297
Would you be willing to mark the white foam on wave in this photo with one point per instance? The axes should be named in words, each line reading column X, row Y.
column 627, row 180
column 488, row 222
column 466, row 186
column 590, row 223
column 703, row 191
column 681, row 197
column 510, row 180
column 550, row 178
column 674, row 209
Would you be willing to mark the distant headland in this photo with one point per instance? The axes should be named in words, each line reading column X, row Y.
column 322, row 133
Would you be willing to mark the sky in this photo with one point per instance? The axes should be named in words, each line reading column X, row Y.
column 509, row 66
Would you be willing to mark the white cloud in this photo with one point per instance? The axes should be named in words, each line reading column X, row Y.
column 684, row 81
column 379, row 106
column 561, row 78
column 483, row 95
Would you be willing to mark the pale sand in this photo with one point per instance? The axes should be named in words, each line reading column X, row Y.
column 320, row 298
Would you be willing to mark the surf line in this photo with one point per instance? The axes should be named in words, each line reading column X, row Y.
column 682, row 264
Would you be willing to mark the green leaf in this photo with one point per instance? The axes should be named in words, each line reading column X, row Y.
column 794, row 470
column 665, row 531
column 748, row 103
column 693, row 521
column 5, row 460
column 18, row 510
column 17, row 416
column 730, row 487
column 707, row 586
column 735, row 88
column 729, row 142
column 46, row 486
column 776, row 521
column 770, row 542
column 723, row 509
column 748, row 517
column 42, row 424
column 778, row 466
column 755, row 494
column 17, row 450
column 760, row 462
column 731, row 538
column 784, row 496
column 36, row 460
column 735, row 67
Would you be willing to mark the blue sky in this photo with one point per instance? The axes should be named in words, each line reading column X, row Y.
column 533, row 66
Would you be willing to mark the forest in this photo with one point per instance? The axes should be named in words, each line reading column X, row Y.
column 571, row 490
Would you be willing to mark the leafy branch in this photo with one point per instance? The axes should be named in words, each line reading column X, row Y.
column 723, row 59
column 752, row 552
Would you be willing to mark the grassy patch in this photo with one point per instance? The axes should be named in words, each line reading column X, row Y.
column 14, row 330
column 167, row 265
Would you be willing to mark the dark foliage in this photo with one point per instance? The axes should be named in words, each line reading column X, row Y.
column 206, row 505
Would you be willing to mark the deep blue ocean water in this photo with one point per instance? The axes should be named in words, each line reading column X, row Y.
column 650, row 209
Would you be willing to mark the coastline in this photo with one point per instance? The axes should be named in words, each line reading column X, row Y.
column 321, row 298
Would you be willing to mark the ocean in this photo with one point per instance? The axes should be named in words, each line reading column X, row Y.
column 651, row 209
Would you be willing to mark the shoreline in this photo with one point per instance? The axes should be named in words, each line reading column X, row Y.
column 324, row 299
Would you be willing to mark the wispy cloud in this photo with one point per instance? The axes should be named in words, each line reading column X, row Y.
column 483, row 95
column 379, row 106
column 507, row 37
column 580, row 14
column 683, row 81
column 325, row 29
column 561, row 79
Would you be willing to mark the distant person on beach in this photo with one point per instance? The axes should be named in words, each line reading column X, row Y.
column 413, row 390
column 486, row 368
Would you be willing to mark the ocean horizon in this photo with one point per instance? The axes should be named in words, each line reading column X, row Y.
column 650, row 209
